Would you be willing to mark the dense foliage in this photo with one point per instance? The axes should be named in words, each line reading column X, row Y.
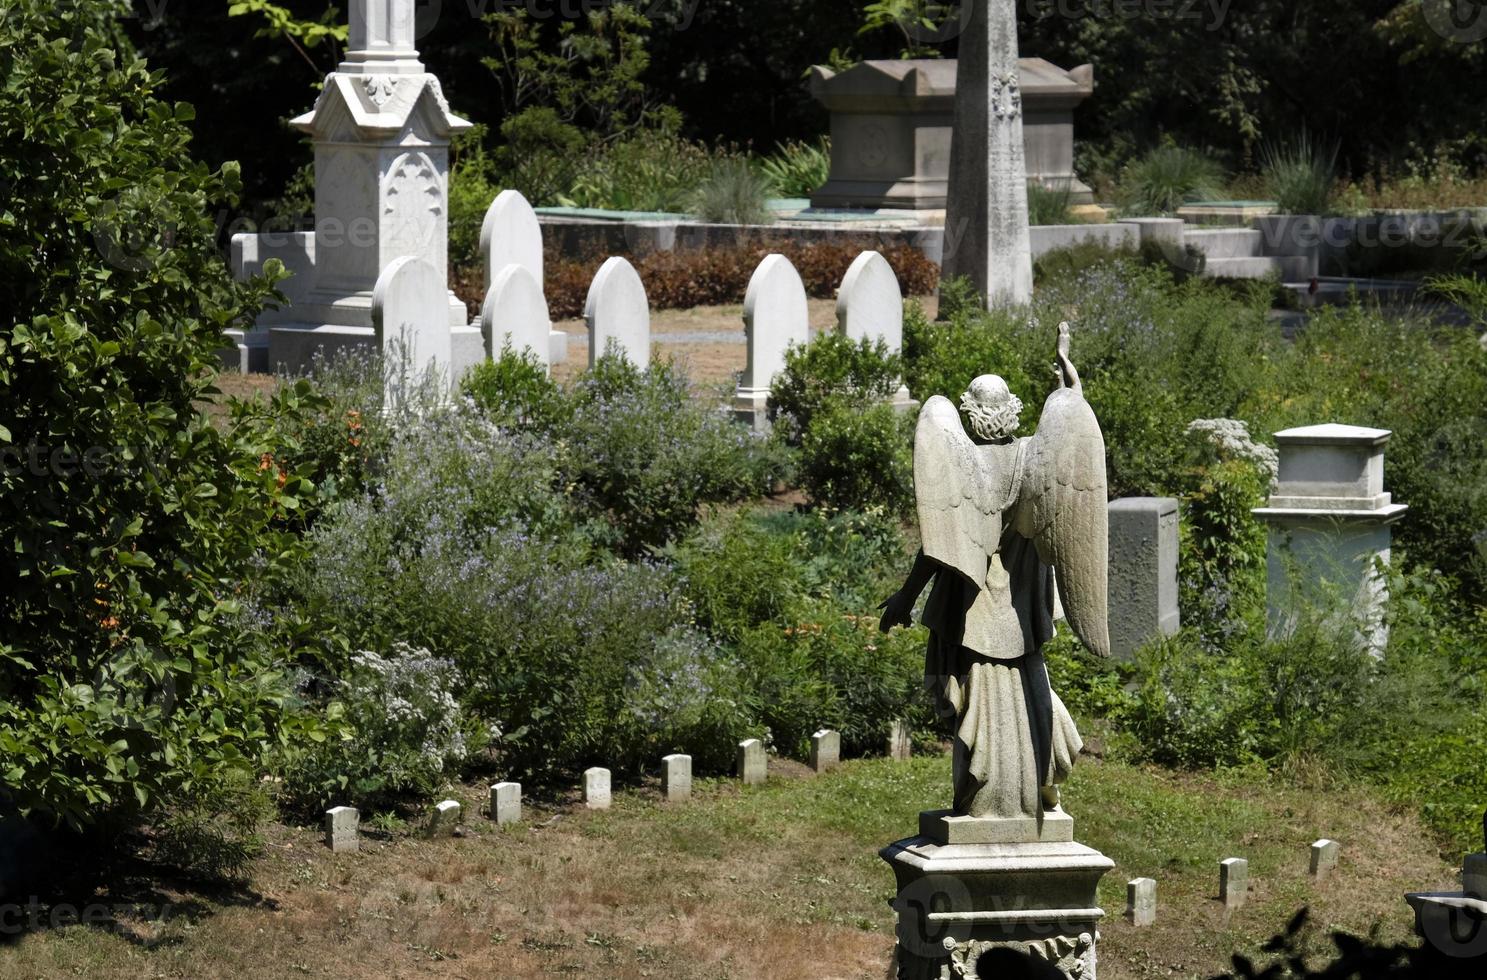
column 128, row 519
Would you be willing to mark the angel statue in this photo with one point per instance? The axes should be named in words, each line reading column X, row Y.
column 999, row 516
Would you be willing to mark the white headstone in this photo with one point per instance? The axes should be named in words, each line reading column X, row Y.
column 870, row 303
column 776, row 315
column 596, row 788
column 1141, row 902
column 445, row 818
column 515, row 315
column 751, row 764
column 899, row 743
column 511, row 235
column 617, row 309
column 1233, row 882
column 411, row 326
column 986, row 219
column 340, row 829
column 1324, row 854
column 826, row 750
column 505, row 803
column 676, row 778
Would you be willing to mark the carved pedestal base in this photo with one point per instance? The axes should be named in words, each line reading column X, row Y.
column 995, row 910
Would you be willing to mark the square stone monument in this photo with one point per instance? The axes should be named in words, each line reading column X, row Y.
column 1143, row 572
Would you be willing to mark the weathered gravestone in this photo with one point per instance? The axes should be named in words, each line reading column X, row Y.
column 900, row 745
column 1141, row 902
column 596, row 794
column 826, row 750
column 870, row 306
column 776, row 315
column 986, row 217
column 1001, row 864
column 505, row 803
column 1143, row 572
column 515, row 316
column 1233, row 882
column 750, row 762
column 617, row 310
column 412, row 333
column 341, row 830
column 676, row 778
column 444, row 819
column 1324, row 854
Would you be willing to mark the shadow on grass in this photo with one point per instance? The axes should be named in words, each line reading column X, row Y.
column 1356, row 958
column 52, row 880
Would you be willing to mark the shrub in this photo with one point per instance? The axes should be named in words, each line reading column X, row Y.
column 1166, row 178
column 410, row 736
column 830, row 366
column 1049, row 205
column 128, row 519
column 515, row 391
column 211, row 830
column 798, row 169
column 733, row 193
column 1301, row 176
column 472, row 188
column 643, row 454
column 944, row 358
column 653, row 170
column 853, row 457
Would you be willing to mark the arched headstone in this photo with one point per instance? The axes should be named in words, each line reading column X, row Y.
column 870, row 303
column 775, row 316
column 515, row 314
column 410, row 320
column 617, row 309
column 511, row 235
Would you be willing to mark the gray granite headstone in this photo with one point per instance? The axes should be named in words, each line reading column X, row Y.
column 751, row 764
column 340, row 829
column 826, row 750
column 1143, row 572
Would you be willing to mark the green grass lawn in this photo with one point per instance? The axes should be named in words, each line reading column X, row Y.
column 776, row 881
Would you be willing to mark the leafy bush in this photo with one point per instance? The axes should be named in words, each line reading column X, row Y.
column 472, row 188
column 211, row 830
column 734, row 193
column 1301, row 176
column 830, row 367
column 515, row 391
column 798, row 169
column 855, row 457
column 128, row 519
column 410, row 736
column 1166, row 178
column 643, row 454
column 944, row 358
column 717, row 276
column 654, row 170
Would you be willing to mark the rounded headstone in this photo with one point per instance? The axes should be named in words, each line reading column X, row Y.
column 511, row 235
column 410, row 319
column 617, row 309
column 870, row 303
column 776, row 314
column 515, row 314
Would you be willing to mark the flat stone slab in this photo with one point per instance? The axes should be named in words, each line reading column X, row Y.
column 947, row 828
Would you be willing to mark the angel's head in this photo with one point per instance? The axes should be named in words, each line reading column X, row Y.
column 992, row 408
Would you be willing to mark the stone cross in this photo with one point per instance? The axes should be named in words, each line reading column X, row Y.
column 986, row 218
column 676, row 778
column 1233, row 882
column 382, row 39
column 1141, row 902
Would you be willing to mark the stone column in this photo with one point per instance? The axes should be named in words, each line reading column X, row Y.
column 1330, row 520
column 986, row 219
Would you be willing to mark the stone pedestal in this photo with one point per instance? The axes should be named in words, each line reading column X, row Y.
column 1143, row 572
column 986, row 899
column 381, row 131
column 891, row 125
column 1330, row 521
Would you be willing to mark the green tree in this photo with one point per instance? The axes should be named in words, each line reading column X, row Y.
column 127, row 519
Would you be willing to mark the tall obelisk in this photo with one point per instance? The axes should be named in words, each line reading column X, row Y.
column 986, row 221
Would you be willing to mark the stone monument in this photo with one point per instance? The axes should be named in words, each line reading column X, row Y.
column 986, row 219
column 996, row 885
column 1143, row 573
column 1454, row 924
column 891, row 124
column 1330, row 521
column 381, row 130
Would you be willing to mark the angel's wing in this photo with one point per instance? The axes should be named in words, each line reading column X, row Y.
column 959, row 510
column 1062, row 508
